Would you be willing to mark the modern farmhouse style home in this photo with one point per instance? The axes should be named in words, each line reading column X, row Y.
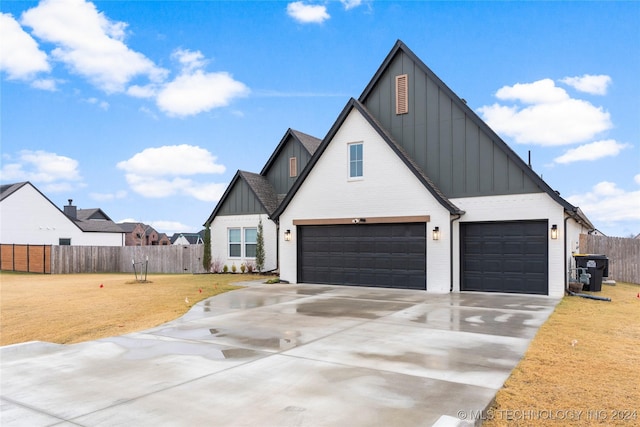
column 411, row 189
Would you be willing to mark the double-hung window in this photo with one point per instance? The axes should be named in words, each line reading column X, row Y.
column 235, row 242
column 356, row 161
column 242, row 242
column 250, row 241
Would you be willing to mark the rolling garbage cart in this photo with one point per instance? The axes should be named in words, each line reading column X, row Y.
column 597, row 266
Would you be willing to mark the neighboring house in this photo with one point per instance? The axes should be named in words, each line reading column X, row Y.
column 411, row 189
column 187, row 239
column 28, row 217
column 140, row 234
column 251, row 198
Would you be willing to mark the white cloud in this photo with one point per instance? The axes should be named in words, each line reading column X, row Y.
column 160, row 172
column 147, row 91
column 350, row 4
column 551, row 117
column 89, row 43
column 174, row 160
column 104, row 105
column 171, row 227
column 108, row 197
column 593, row 151
column 197, row 92
column 53, row 172
column 307, row 13
column 45, row 84
column 637, row 179
column 540, row 92
column 20, row 56
column 609, row 205
column 594, row 85
column 189, row 60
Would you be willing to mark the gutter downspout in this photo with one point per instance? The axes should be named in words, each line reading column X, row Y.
column 566, row 271
column 457, row 217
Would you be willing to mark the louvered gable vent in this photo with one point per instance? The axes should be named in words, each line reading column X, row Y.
column 402, row 94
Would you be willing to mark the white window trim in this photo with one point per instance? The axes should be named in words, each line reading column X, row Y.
column 242, row 243
column 349, row 177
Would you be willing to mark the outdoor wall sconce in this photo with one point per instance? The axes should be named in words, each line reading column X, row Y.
column 554, row 231
column 436, row 233
column 287, row 236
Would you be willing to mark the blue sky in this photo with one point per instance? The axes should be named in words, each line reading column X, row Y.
column 146, row 109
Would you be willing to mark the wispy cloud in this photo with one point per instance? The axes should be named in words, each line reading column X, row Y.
column 542, row 113
column 307, row 13
column 593, row 151
column 108, row 197
column 281, row 94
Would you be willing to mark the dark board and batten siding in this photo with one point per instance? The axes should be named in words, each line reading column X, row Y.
column 444, row 138
column 278, row 173
column 241, row 201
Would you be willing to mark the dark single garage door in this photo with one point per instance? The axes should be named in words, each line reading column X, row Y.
column 505, row 257
column 382, row 255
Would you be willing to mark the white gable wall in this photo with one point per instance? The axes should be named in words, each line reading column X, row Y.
column 220, row 239
column 388, row 189
column 26, row 217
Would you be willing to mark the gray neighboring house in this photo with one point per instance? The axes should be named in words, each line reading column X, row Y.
column 253, row 197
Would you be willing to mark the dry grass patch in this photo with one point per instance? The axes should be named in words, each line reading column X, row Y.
column 72, row 308
column 586, row 357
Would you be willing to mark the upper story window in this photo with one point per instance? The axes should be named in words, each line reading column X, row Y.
column 402, row 94
column 356, row 161
column 293, row 167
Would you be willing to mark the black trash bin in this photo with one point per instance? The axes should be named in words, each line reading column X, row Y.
column 597, row 266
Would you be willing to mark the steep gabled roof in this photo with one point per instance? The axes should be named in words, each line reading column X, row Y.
column 88, row 220
column 398, row 47
column 355, row 104
column 310, row 143
column 260, row 187
column 7, row 189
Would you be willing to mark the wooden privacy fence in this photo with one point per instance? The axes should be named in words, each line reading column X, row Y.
column 108, row 259
column 25, row 258
column 101, row 259
column 623, row 254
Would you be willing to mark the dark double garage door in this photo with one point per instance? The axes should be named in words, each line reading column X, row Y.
column 382, row 255
column 495, row 256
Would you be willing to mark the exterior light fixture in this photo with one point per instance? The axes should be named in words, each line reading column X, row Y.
column 436, row 233
column 554, row 231
column 287, row 236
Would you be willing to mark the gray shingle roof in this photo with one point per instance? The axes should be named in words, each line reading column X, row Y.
column 262, row 189
column 95, row 220
column 310, row 143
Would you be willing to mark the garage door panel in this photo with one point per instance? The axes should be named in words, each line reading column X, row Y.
column 505, row 257
column 385, row 255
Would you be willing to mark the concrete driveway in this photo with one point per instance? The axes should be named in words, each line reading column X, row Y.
column 284, row 355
